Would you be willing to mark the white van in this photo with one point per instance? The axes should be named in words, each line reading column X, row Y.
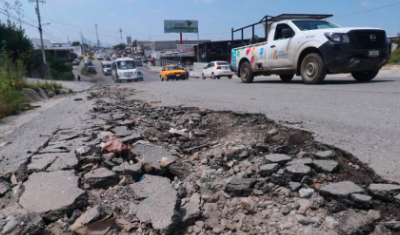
column 106, row 67
column 124, row 69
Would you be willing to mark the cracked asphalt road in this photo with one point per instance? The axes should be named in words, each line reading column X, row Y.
column 362, row 119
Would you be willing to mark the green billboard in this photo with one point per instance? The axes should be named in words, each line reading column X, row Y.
column 181, row 26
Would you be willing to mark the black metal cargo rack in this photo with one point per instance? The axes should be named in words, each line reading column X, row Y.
column 269, row 19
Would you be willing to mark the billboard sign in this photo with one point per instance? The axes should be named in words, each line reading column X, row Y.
column 181, row 26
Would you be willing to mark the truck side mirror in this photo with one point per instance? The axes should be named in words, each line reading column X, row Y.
column 287, row 33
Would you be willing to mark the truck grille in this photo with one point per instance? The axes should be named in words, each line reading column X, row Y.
column 368, row 39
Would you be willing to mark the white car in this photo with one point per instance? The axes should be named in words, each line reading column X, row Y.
column 106, row 67
column 217, row 69
column 124, row 69
column 100, row 57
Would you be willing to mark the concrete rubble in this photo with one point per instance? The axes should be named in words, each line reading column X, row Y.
column 137, row 168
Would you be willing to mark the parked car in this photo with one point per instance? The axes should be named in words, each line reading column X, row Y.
column 76, row 62
column 124, row 69
column 217, row 69
column 173, row 72
column 88, row 63
column 106, row 67
column 91, row 69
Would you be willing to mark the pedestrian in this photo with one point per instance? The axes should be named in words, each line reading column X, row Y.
column 79, row 77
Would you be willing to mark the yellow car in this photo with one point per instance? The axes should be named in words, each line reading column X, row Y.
column 173, row 72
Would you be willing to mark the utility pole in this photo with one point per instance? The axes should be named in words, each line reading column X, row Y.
column 40, row 28
column 83, row 45
column 120, row 31
column 97, row 36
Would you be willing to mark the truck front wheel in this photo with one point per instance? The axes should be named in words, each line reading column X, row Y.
column 246, row 73
column 365, row 76
column 313, row 70
column 286, row 77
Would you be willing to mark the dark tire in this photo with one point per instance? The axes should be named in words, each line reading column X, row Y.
column 365, row 76
column 313, row 70
column 246, row 73
column 286, row 77
column 161, row 79
column 212, row 76
column 167, row 78
column 230, row 77
column 218, row 77
column 203, row 76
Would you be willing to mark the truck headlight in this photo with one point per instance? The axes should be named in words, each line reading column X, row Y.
column 338, row 37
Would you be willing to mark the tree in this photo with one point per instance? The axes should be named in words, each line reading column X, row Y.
column 76, row 44
column 120, row 46
column 14, row 41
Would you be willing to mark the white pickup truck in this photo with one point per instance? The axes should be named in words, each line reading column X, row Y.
column 310, row 46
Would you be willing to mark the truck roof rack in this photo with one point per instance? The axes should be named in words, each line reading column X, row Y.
column 296, row 16
column 266, row 19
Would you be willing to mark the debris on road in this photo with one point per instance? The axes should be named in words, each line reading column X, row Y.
column 143, row 169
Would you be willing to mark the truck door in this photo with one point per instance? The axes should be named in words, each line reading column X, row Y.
column 280, row 48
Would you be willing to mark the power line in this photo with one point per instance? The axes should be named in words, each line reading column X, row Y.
column 372, row 9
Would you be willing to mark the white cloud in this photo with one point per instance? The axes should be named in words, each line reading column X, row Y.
column 208, row 1
column 364, row 4
column 195, row 1
column 111, row 13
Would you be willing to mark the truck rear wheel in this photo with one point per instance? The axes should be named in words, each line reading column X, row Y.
column 365, row 76
column 286, row 77
column 313, row 70
column 246, row 73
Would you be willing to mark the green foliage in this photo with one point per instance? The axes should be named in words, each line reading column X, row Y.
column 59, row 69
column 14, row 40
column 395, row 58
column 120, row 46
column 75, row 44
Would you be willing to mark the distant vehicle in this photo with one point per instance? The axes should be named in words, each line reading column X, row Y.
column 108, row 58
column 88, row 63
column 138, row 63
column 311, row 47
column 91, row 69
column 175, row 72
column 76, row 62
column 106, row 67
column 114, row 57
column 100, row 57
column 124, row 69
column 217, row 69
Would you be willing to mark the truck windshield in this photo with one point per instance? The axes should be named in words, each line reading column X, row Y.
column 305, row 25
column 106, row 65
column 124, row 65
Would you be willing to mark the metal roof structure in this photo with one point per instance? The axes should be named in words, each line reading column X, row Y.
column 268, row 19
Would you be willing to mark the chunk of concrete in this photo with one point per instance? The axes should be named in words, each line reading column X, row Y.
column 297, row 172
column 353, row 223
column 64, row 161
column 151, row 154
column 150, row 185
column 101, row 178
column 340, row 190
column 384, row 191
column 326, row 166
column 240, row 186
column 52, row 194
column 278, row 158
column 32, row 95
column 134, row 170
column 190, row 212
column 302, row 161
column 161, row 209
column 329, row 154
column 41, row 161
column 121, row 131
column 268, row 169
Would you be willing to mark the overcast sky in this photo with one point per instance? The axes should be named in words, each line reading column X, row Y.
column 144, row 19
